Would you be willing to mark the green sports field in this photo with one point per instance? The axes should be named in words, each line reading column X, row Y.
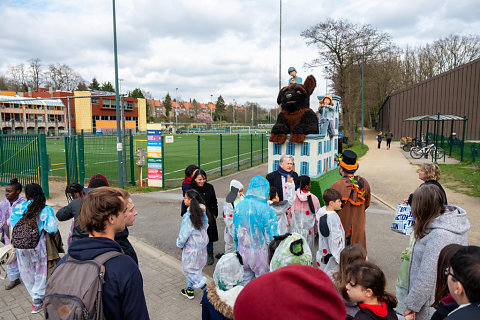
column 101, row 155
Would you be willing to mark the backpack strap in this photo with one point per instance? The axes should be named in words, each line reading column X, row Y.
column 101, row 259
column 323, row 226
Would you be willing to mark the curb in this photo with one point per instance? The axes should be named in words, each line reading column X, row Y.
column 384, row 202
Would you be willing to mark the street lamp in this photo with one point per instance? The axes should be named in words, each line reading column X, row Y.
column 211, row 101
column 117, row 102
column 176, row 108
column 233, row 109
column 362, row 55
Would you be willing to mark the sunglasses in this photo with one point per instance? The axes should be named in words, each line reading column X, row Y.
column 447, row 273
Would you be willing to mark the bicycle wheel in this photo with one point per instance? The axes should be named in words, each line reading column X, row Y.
column 406, row 147
column 416, row 153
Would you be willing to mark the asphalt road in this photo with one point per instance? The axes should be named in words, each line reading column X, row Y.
column 158, row 223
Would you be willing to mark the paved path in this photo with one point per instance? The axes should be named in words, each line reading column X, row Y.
column 390, row 174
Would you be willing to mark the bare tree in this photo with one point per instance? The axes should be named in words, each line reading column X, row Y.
column 18, row 76
column 35, row 73
column 63, row 77
column 341, row 45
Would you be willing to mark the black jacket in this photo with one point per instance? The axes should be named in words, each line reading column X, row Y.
column 275, row 180
column 466, row 313
column 123, row 296
column 71, row 211
column 122, row 239
column 430, row 182
column 208, row 194
column 365, row 314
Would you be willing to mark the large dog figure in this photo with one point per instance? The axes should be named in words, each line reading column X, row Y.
column 296, row 118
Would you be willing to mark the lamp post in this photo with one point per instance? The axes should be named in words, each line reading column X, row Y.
column 176, row 108
column 211, row 101
column 280, row 52
column 362, row 55
column 117, row 102
column 326, row 80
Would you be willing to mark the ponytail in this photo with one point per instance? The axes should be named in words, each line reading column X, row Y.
column 197, row 208
column 34, row 192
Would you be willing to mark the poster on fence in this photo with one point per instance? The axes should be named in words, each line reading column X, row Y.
column 154, row 156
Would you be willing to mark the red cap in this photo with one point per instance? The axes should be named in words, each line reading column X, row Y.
column 291, row 292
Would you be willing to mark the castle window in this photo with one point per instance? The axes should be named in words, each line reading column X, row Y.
column 277, row 148
column 305, row 149
column 304, row 168
column 290, row 148
column 276, row 164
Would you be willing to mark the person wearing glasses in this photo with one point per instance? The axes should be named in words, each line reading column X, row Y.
column 436, row 226
column 464, row 283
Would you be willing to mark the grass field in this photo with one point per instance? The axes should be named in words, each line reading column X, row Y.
column 101, row 155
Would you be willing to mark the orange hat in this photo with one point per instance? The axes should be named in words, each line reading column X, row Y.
column 329, row 97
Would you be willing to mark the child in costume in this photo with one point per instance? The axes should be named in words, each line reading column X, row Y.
column 281, row 207
column 234, row 196
column 192, row 240
column 327, row 114
column 222, row 291
column 293, row 74
column 291, row 250
column 303, row 213
column 254, row 225
column 366, row 286
column 331, row 239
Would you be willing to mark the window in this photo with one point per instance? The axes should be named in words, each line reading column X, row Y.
column 304, row 168
column 336, row 144
column 51, row 117
column 336, row 123
column 290, row 148
column 305, row 149
column 95, row 101
column 276, row 164
column 319, row 167
column 277, row 148
column 320, row 147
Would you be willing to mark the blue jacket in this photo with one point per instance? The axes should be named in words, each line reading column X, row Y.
column 123, row 296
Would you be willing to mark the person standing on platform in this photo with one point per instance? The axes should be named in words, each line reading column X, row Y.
column 293, row 74
column 278, row 178
column 355, row 192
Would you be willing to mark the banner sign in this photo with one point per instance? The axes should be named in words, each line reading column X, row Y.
column 154, row 158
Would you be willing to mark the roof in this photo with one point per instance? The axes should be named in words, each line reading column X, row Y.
column 436, row 117
column 32, row 101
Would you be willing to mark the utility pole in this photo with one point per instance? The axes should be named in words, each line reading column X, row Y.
column 211, row 101
column 280, row 52
column 176, row 108
column 117, row 100
column 233, row 109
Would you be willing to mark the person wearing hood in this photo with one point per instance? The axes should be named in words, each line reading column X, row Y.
column 281, row 207
column 254, row 225
column 436, row 226
column 102, row 214
column 293, row 249
column 355, row 192
column 219, row 298
column 304, row 211
column 234, row 196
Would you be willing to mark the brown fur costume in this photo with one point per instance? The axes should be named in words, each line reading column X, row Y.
column 296, row 118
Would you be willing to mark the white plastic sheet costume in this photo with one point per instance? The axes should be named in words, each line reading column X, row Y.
column 281, row 207
column 231, row 202
column 292, row 250
column 331, row 241
column 254, row 225
column 194, row 255
column 303, row 216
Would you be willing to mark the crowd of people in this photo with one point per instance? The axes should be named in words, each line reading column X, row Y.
column 270, row 266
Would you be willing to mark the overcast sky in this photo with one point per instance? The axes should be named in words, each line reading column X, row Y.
column 207, row 47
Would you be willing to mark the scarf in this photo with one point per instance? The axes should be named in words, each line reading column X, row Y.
column 284, row 173
column 188, row 180
column 380, row 310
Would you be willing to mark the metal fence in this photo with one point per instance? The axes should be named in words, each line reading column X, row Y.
column 24, row 156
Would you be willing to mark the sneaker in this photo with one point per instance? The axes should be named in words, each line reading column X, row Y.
column 188, row 293
column 36, row 308
column 12, row 284
column 210, row 259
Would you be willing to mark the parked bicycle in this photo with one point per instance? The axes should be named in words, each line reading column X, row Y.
column 412, row 143
column 424, row 151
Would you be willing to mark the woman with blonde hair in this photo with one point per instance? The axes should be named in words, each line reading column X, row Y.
column 429, row 173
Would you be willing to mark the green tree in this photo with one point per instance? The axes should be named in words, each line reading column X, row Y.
column 107, row 86
column 219, row 107
column 136, row 93
column 167, row 104
column 94, row 85
column 82, row 86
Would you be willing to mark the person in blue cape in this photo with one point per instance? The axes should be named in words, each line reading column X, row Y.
column 254, row 225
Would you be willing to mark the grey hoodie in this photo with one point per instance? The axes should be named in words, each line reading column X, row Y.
column 450, row 227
